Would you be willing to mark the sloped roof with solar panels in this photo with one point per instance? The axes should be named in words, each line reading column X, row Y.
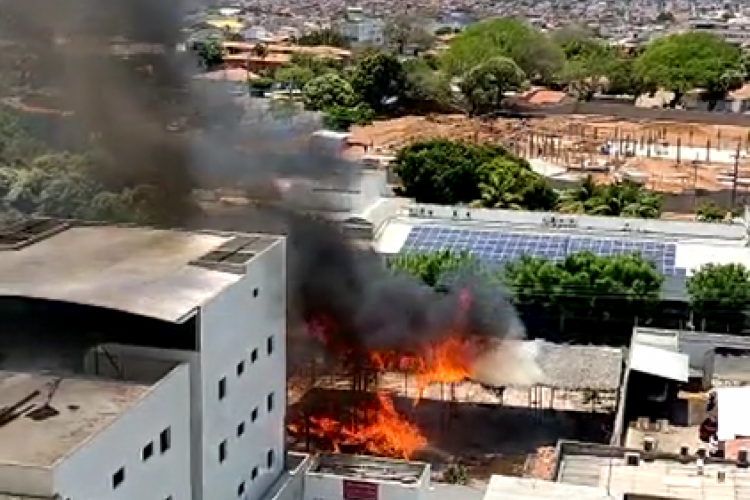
column 677, row 248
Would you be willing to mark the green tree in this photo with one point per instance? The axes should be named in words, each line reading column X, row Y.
column 624, row 199
column 688, row 61
column 426, row 87
column 589, row 289
column 404, row 31
column 622, row 78
column 485, row 85
column 512, row 185
column 380, row 80
column 327, row 91
column 711, row 212
column 532, row 50
column 294, row 77
column 433, row 268
column 17, row 143
column 443, row 172
column 578, row 200
column 326, row 37
column 210, row 52
column 342, row 118
column 318, row 65
column 719, row 295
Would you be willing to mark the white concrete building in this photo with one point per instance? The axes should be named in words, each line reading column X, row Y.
column 360, row 29
column 142, row 364
column 734, row 30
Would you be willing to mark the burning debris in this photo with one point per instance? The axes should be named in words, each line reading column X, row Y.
column 367, row 421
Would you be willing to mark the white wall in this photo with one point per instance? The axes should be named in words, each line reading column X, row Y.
column 87, row 473
column 678, row 229
column 233, row 325
column 26, row 480
column 330, row 487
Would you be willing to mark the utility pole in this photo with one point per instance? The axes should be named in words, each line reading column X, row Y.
column 735, row 175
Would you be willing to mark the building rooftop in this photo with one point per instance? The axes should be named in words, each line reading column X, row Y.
column 661, row 478
column 366, row 467
column 580, row 366
column 33, row 433
column 142, row 271
column 691, row 244
column 518, row 488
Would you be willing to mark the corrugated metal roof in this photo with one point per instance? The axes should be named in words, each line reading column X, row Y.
column 517, row 488
column 665, row 339
column 659, row 362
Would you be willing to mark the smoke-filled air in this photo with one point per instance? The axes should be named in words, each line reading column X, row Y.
column 149, row 124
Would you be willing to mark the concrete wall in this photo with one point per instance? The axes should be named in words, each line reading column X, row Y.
column 291, row 484
column 585, row 223
column 331, row 487
column 631, row 112
column 26, row 480
column 238, row 376
column 88, row 472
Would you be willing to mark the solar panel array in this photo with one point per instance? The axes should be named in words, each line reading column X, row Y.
column 496, row 247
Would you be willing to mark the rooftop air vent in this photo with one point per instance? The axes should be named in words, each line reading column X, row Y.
column 27, row 232
column 632, row 459
column 233, row 255
column 742, row 458
column 649, row 444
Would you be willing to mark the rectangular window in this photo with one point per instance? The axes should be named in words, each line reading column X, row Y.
column 222, row 451
column 269, row 345
column 223, row 388
column 254, row 415
column 241, row 489
column 165, row 440
column 254, row 356
column 254, row 475
column 118, row 477
column 270, row 458
column 148, row 451
column 241, row 429
column 269, row 402
column 240, row 368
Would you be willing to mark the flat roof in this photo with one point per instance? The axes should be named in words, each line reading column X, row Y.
column 579, row 366
column 519, row 488
column 368, row 468
column 663, row 363
column 659, row 478
column 82, row 408
column 692, row 250
column 136, row 270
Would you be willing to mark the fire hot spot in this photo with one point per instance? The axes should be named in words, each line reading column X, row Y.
column 364, row 419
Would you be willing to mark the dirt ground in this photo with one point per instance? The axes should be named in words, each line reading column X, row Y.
column 574, row 144
column 487, row 433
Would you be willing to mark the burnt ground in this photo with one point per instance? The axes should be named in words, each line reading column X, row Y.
column 487, row 438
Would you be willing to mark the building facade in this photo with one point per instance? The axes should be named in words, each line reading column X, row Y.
column 151, row 365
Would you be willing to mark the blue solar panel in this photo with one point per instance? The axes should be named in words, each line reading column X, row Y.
column 502, row 247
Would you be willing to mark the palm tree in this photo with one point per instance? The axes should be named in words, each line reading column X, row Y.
column 259, row 50
column 500, row 191
column 578, row 200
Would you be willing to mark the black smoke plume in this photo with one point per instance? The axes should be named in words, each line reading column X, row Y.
column 151, row 125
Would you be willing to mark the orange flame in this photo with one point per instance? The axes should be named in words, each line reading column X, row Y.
column 382, row 431
column 377, row 427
